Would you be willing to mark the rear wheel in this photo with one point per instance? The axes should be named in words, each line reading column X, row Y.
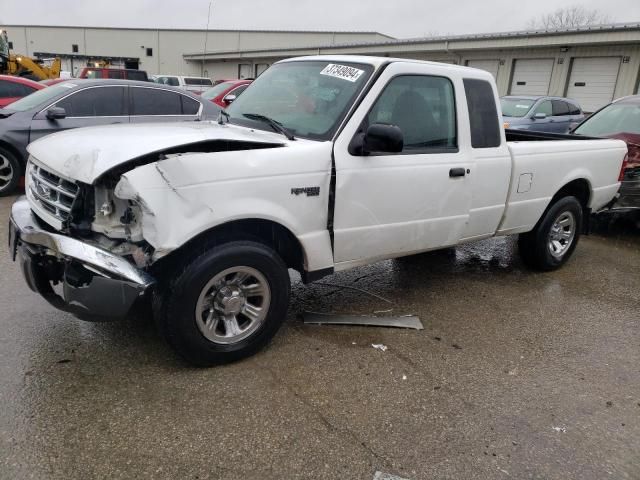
column 550, row 244
column 227, row 303
column 10, row 172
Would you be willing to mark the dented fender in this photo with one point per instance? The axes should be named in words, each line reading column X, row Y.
column 184, row 195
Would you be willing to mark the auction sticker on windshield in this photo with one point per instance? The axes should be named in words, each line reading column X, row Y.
column 342, row 71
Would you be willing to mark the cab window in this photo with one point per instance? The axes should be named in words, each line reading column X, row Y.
column 424, row 109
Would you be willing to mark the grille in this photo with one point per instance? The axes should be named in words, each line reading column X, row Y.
column 53, row 193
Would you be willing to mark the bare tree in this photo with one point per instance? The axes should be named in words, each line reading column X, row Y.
column 569, row 17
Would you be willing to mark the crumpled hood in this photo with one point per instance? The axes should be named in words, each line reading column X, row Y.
column 85, row 154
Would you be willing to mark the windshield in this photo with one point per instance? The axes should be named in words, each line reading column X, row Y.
column 217, row 90
column 515, row 107
column 616, row 118
column 41, row 96
column 309, row 98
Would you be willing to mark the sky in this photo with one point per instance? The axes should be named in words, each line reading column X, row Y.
column 398, row 18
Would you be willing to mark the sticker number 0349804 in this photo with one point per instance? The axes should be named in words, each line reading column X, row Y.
column 342, row 71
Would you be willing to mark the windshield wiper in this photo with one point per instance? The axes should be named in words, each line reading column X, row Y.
column 277, row 126
column 225, row 114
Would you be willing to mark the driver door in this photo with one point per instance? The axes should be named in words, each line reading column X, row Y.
column 394, row 204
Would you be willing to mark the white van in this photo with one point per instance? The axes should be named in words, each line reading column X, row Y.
column 192, row 84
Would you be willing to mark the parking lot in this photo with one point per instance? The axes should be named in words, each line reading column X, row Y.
column 516, row 375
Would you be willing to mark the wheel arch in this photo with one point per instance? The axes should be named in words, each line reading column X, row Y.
column 267, row 232
column 14, row 151
column 579, row 188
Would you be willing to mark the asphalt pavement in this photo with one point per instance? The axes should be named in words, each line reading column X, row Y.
column 516, row 375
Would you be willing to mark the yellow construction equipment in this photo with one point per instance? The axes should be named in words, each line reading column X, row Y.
column 24, row 66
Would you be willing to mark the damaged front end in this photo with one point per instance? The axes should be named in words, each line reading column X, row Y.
column 88, row 248
column 95, row 284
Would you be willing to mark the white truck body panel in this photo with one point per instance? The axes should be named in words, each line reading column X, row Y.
column 596, row 161
column 79, row 155
column 385, row 205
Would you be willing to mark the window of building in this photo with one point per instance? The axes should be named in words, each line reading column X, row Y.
column 424, row 109
column 74, row 48
column 10, row 45
column 149, row 52
column 244, row 71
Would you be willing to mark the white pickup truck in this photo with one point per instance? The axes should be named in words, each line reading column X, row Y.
column 323, row 164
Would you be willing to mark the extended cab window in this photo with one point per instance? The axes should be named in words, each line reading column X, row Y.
column 424, row 109
column 95, row 102
column 483, row 115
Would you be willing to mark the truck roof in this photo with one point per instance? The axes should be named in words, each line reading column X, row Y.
column 376, row 62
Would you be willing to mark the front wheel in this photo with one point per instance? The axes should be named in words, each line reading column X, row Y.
column 550, row 244
column 226, row 304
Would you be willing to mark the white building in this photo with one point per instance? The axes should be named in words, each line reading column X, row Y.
column 593, row 64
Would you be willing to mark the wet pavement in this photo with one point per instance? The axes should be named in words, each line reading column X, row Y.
column 516, row 375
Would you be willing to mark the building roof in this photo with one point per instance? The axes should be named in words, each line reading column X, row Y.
column 446, row 39
column 210, row 30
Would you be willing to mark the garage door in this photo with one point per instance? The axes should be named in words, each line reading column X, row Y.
column 490, row 66
column 531, row 77
column 593, row 81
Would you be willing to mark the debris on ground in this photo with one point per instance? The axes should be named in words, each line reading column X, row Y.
column 560, row 429
column 387, row 476
column 404, row 377
column 354, row 288
column 379, row 346
column 405, row 321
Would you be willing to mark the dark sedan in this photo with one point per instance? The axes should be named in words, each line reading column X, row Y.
column 74, row 104
column 540, row 114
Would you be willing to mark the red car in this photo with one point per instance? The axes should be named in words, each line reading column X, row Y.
column 13, row 88
column 620, row 119
column 226, row 92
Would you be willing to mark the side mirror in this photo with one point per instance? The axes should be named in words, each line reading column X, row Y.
column 382, row 138
column 228, row 99
column 540, row 116
column 56, row 113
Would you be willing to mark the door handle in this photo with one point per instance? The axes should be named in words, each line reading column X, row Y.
column 457, row 172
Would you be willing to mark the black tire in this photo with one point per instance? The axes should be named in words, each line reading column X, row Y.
column 10, row 172
column 534, row 246
column 175, row 309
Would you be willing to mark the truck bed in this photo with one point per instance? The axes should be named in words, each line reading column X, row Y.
column 528, row 136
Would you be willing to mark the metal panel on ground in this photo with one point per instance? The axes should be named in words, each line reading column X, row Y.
column 490, row 66
column 531, row 76
column 593, row 81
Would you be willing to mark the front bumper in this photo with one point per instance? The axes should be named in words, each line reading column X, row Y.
column 96, row 284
